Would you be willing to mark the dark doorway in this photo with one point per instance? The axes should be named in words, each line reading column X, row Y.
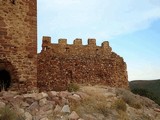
column 5, row 80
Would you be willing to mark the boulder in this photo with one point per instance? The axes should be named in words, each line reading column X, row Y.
column 156, row 109
column 63, row 94
column 89, row 117
column 82, row 95
column 42, row 102
column 46, row 107
column 33, row 106
column 52, row 94
column 33, row 95
column 57, row 109
column 24, row 104
column 44, row 118
column 28, row 116
column 74, row 97
column 2, row 104
column 66, row 109
column 73, row 116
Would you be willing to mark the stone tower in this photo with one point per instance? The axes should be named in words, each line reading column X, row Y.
column 18, row 44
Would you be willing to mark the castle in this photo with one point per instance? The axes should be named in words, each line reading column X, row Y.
column 57, row 65
column 61, row 64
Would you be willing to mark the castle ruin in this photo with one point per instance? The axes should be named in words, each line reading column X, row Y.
column 58, row 64
column 61, row 64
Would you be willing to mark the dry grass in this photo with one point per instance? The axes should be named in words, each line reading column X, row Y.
column 100, row 101
column 120, row 105
column 131, row 99
column 95, row 103
column 7, row 113
column 73, row 87
column 123, row 115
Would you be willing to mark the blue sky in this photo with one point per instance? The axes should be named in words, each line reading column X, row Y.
column 132, row 28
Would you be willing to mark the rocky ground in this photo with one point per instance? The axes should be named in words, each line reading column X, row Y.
column 88, row 103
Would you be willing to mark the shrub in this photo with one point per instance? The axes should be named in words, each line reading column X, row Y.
column 20, row 117
column 120, row 105
column 94, row 103
column 7, row 113
column 141, row 92
column 146, row 93
column 102, row 108
column 131, row 99
column 73, row 87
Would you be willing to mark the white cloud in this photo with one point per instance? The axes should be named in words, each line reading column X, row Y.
column 98, row 17
column 143, row 70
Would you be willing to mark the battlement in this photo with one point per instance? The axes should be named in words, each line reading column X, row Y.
column 105, row 44
column 77, row 41
column 92, row 41
column 46, row 39
column 77, row 48
column 62, row 41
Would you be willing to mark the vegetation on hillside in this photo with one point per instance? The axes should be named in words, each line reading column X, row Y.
column 150, row 89
column 88, row 102
column 6, row 113
column 146, row 93
column 73, row 87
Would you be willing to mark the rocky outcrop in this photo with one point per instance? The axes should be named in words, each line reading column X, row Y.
column 90, row 103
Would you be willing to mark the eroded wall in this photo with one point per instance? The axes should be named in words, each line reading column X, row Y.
column 61, row 64
column 18, row 42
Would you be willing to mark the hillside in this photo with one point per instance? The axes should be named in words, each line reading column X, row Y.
column 150, row 86
column 88, row 103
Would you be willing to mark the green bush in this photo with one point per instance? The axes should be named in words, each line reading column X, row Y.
column 73, row 87
column 7, row 113
column 142, row 92
column 146, row 93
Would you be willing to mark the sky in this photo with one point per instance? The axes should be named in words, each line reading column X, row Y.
column 132, row 28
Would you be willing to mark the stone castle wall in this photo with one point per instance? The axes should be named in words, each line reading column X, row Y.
column 58, row 64
column 61, row 64
column 18, row 42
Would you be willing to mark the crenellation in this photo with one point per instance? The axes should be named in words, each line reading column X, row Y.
column 62, row 41
column 107, row 50
column 77, row 41
column 92, row 41
column 77, row 49
column 105, row 44
column 46, row 41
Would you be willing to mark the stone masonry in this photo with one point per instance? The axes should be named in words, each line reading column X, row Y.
column 58, row 64
column 18, row 42
column 61, row 64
